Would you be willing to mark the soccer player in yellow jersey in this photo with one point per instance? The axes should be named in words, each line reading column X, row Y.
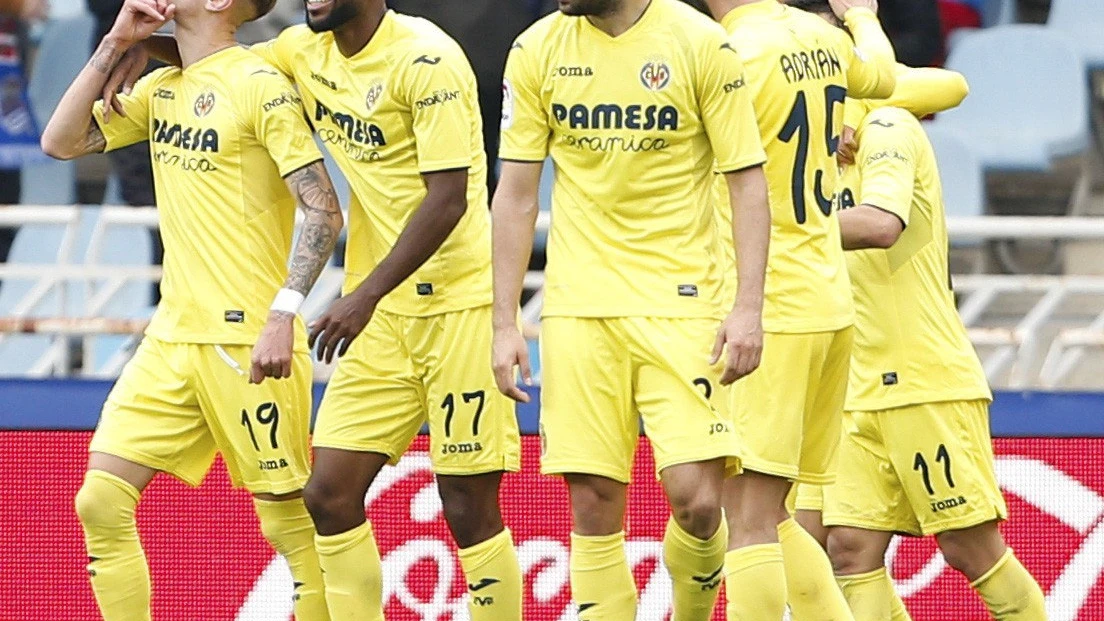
column 634, row 101
column 224, row 129
column 787, row 413
column 916, row 456
column 394, row 100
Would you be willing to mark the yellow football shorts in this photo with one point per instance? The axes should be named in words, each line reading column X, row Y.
column 175, row 404
column 917, row 470
column 602, row 376
column 402, row 372
column 787, row 413
column 807, row 497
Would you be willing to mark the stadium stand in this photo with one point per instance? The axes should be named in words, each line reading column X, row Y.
column 1081, row 22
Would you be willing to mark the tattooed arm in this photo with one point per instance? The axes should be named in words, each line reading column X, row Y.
column 72, row 132
column 311, row 187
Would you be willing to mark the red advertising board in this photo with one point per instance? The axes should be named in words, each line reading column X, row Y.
column 209, row 562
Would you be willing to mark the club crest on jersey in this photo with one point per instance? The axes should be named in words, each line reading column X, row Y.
column 204, row 104
column 375, row 91
column 655, row 76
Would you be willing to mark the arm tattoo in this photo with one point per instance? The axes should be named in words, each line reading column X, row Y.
column 312, row 188
column 94, row 141
column 105, row 57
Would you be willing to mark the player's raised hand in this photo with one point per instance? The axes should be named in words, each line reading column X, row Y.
column 509, row 353
column 840, row 7
column 122, row 79
column 273, row 351
column 138, row 19
column 741, row 335
column 339, row 326
column 848, row 148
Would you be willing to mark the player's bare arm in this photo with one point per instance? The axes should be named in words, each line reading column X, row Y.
column 742, row 332
column 322, row 222
column 867, row 226
column 514, row 212
column 72, row 132
column 445, row 203
column 131, row 67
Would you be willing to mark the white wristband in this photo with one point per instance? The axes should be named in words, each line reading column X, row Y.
column 287, row 301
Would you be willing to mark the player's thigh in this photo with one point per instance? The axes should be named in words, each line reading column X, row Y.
column 827, row 392
column 262, row 430
column 588, row 421
column 676, row 389
column 152, row 416
column 472, row 426
column 866, row 493
column 768, row 406
column 374, row 402
column 943, row 454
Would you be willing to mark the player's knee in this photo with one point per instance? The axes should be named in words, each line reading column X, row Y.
column 328, row 503
column 972, row 551
column 851, row 553
column 597, row 505
column 104, row 503
column 698, row 514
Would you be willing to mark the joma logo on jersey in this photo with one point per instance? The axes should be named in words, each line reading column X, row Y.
column 949, row 503
column 461, row 447
column 438, row 97
column 204, row 104
column 355, row 129
column 573, row 72
column 321, row 79
column 613, row 116
column 272, row 464
column 190, row 138
column 163, row 93
column 655, row 76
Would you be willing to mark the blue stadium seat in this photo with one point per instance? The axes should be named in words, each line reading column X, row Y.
column 1083, row 22
column 998, row 12
column 960, row 172
column 1025, row 110
column 62, row 53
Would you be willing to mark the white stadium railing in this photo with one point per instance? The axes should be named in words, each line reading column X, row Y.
column 1031, row 331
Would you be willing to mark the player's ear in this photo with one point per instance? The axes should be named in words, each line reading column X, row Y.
column 218, row 6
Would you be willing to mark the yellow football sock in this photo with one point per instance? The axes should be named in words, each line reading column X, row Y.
column 117, row 565
column 811, row 588
column 755, row 583
column 601, row 582
column 872, row 597
column 696, row 568
column 288, row 527
column 494, row 579
column 353, row 574
column 1009, row 591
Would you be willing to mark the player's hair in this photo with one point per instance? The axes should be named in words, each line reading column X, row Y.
column 260, row 8
column 812, row 6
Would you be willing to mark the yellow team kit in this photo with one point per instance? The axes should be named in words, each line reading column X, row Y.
column 634, row 280
column 223, row 133
column 403, row 106
column 799, row 71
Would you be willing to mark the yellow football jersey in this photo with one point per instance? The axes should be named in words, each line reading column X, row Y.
column 910, row 344
column 404, row 105
column 800, row 69
column 222, row 134
column 919, row 90
column 632, row 124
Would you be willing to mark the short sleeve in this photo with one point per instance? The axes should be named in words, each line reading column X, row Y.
column 887, row 163
column 440, row 89
column 525, row 130
column 726, row 106
column 275, row 112
column 278, row 52
column 123, row 131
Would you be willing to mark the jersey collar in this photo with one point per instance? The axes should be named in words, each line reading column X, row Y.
column 636, row 27
column 762, row 8
column 379, row 39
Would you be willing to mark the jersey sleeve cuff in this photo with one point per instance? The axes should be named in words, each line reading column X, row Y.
column 443, row 165
column 518, row 155
column 739, row 165
column 289, row 166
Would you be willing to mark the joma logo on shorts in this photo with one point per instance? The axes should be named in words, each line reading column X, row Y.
column 272, row 464
column 461, row 447
column 949, row 503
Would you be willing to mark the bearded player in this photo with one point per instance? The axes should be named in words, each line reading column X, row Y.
column 394, row 100
column 232, row 156
column 633, row 100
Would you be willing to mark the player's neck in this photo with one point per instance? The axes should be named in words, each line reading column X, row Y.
column 197, row 41
column 616, row 23
column 352, row 36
